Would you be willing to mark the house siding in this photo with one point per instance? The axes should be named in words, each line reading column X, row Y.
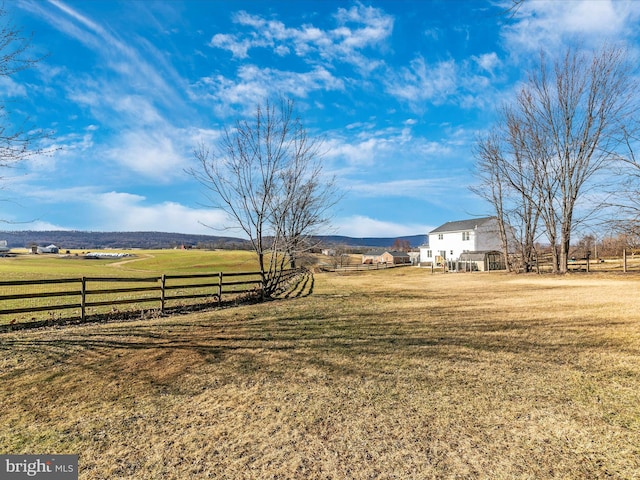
column 482, row 234
column 489, row 236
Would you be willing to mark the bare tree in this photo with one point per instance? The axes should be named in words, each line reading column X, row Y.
column 626, row 196
column 564, row 128
column 267, row 177
column 513, row 8
column 306, row 197
column 493, row 186
column 17, row 141
column 401, row 245
column 505, row 175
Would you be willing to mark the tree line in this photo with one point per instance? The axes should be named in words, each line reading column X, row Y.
column 562, row 154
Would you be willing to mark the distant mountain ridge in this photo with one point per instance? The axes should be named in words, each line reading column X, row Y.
column 380, row 242
column 75, row 239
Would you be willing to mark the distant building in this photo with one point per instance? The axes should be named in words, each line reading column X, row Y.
column 372, row 256
column 48, row 249
column 386, row 256
column 3, row 246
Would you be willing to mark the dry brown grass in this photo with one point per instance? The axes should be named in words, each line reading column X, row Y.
column 390, row 374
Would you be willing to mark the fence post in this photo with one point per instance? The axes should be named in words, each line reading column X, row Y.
column 83, row 298
column 162, row 293
column 624, row 260
column 219, row 289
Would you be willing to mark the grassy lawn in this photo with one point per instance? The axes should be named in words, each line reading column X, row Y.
column 142, row 262
column 389, row 374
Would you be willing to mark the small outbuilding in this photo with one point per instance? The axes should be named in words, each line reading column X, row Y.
column 372, row 256
column 48, row 249
column 389, row 257
column 485, row 261
column 396, row 258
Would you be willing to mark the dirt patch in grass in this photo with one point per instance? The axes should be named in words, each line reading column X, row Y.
column 393, row 374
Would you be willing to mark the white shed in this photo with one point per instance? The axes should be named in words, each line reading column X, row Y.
column 49, row 249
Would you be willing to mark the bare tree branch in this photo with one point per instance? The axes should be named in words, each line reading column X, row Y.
column 267, row 176
column 563, row 129
column 18, row 140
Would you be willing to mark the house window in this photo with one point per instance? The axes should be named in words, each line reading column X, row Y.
column 451, row 252
column 429, row 254
column 440, row 236
column 465, row 236
column 443, row 253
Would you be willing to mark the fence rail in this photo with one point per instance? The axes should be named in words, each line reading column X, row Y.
column 82, row 297
column 361, row 267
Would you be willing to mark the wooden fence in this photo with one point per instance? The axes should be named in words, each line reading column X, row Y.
column 91, row 296
column 361, row 267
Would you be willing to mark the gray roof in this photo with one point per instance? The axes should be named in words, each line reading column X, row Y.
column 375, row 251
column 395, row 253
column 379, row 251
column 461, row 225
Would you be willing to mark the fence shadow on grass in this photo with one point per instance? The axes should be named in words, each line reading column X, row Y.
column 341, row 333
column 323, row 340
column 302, row 286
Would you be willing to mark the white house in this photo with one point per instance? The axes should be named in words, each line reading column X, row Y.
column 451, row 240
column 3, row 246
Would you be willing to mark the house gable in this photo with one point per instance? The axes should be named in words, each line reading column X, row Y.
column 452, row 239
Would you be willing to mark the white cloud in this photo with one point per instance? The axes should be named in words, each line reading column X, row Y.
column 487, row 62
column 136, row 109
column 127, row 212
column 469, row 83
column 9, row 88
column 253, row 84
column 376, row 26
column 120, row 55
column 225, row 41
column 36, row 225
column 419, row 188
column 47, row 195
column 421, row 82
column 360, row 154
column 391, row 147
column 546, row 24
column 122, row 211
column 357, row 28
column 149, row 152
column 360, row 226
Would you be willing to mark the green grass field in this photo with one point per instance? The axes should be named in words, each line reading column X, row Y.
column 155, row 262
column 389, row 374
column 142, row 263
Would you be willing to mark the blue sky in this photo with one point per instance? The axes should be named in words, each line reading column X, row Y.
column 399, row 91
